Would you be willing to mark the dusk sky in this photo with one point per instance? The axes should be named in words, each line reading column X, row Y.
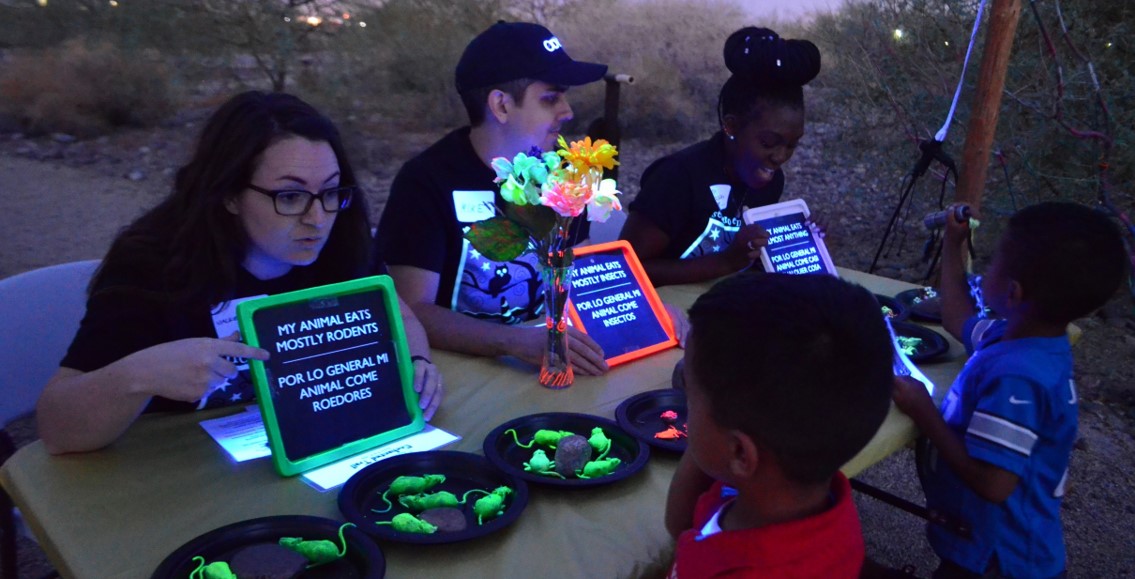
column 787, row 8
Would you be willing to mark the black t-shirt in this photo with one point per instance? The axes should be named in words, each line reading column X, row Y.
column 433, row 200
column 689, row 196
column 129, row 311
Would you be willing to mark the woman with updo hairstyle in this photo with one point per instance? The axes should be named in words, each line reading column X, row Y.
column 686, row 223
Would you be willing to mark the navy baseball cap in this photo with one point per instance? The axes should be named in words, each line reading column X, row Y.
column 509, row 51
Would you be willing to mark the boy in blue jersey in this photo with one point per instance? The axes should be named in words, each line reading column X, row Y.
column 1003, row 437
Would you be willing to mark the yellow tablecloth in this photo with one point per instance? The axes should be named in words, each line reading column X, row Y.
column 120, row 511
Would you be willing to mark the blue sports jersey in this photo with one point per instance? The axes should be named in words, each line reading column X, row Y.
column 1015, row 405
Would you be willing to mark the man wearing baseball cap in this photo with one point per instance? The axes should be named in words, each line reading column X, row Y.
column 512, row 79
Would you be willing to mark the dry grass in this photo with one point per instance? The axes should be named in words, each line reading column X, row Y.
column 85, row 88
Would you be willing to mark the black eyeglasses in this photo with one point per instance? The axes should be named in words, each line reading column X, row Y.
column 298, row 201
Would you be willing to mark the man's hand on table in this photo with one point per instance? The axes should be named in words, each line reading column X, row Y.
column 585, row 354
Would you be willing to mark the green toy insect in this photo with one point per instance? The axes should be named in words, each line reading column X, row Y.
column 215, row 570
column 421, row 502
column 318, row 552
column 598, row 468
column 491, row 505
column 541, row 464
column 407, row 523
column 909, row 345
column 410, row 485
column 599, row 442
column 542, row 437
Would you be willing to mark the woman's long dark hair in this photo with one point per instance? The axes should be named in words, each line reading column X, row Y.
column 199, row 243
column 766, row 69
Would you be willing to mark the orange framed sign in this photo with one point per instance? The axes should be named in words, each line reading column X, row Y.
column 613, row 301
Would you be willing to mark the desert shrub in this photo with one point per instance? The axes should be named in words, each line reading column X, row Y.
column 894, row 90
column 399, row 67
column 673, row 50
column 898, row 90
column 84, row 88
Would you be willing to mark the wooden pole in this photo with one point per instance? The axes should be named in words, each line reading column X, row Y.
column 987, row 101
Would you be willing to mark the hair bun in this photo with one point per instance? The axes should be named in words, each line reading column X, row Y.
column 761, row 54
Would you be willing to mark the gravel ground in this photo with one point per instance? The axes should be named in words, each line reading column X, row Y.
column 64, row 199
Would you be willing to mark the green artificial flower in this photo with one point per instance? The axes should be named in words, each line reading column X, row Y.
column 513, row 191
column 502, row 167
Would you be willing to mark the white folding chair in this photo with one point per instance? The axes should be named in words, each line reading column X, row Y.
column 40, row 311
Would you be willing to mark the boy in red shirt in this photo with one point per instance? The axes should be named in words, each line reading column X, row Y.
column 787, row 378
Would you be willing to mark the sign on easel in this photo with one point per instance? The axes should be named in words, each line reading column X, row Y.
column 793, row 247
column 613, row 301
column 339, row 380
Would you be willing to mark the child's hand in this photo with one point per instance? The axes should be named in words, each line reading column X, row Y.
column 913, row 399
column 957, row 232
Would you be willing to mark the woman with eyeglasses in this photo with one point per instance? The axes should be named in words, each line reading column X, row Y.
column 267, row 204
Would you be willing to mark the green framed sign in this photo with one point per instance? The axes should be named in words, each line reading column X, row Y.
column 339, row 380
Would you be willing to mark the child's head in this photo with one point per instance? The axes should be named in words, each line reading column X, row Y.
column 1067, row 260
column 801, row 365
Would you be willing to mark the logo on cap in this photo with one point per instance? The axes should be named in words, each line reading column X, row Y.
column 552, row 44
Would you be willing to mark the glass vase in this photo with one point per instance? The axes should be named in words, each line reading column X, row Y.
column 555, row 371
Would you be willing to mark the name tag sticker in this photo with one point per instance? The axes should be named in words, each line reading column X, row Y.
column 721, row 195
column 473, row 206
column 224, row 319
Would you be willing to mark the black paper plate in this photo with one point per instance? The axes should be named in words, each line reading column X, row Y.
column 506, row 455
column 363, row 560
column 463, row 472
column 901, row 312
column 925, row 310
column 933, row 344
column 641, row 415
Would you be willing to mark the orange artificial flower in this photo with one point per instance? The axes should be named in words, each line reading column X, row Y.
column 585, row 156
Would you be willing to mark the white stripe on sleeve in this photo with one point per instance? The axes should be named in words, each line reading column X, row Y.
column 1002, row 432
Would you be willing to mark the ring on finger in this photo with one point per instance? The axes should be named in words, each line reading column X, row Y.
column 750, row 245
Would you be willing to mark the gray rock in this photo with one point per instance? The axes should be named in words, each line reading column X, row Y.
column 446, row 519
column 267, row 560
column 136, row 175
column 572, row 453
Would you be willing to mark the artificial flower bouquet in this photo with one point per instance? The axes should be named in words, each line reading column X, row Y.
column 544, row 192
